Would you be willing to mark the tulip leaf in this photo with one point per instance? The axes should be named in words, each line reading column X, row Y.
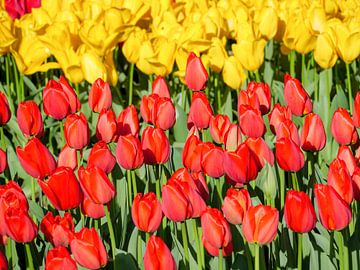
column 227, row 105
column 36, row 210
column 180, row 127
column 124, row 260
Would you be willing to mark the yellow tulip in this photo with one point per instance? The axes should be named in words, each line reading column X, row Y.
column 216, row 55
column 233, row 74
column 92, row 67
column 165, row 54
column 112, row 75
column 250, row 53
column 268, row 22
column 325, row 53
column 6, row 32
column 131, row 46
column 317, row 19
column 347, row 41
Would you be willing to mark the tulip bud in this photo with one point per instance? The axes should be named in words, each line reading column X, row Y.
column 3, row 262
column 3, row 161
column 345, row 154
column 287, row 129
column 356, row 114
column 76, row 131
column 260, row 224
column 299, row 212
column 36, row 159
column 159, row 87
column 157, row 255
column 163, row 113
column 263, row 94
column 58, row 230
column 235, row 205
column 101, row 157
column 146, row 212
column 155, row 146
column 191, row 155
column 212, row 160
column 296, row 97
column 200, row 111
column 219, row 125
column 59, row 258
column 100, row 96
column 342, row 127
column 5, row 113
column 146, row 107
column 67, row 157
column 96, row 185
column 29, row 119
column 62, row 178
column 251, row 122
column 87, row 244
column 91, row 209
column 334, row 213
column 278, row 115
column 195, row 75
column 129, row 153
column 128, row 122
column 106, row 127
column 313, row 136
column 289, row 155
column 232, row 138
column 261, row 149
column 19, row 226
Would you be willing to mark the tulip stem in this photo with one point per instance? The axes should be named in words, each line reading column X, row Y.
column 96, row 224
column 220, row 259
column 257, row 76
column 218, row 187
column 295, row 181
column 33, row 195
column 133, row 176
column 303, row 70
column 349, row 87
column 183, row 96
column 198, row 253
column 340, row 244
column 9, row 252
column 61, row 126
column 299, row 262
column 346, row 250
column 248, row 257
column 29, row 256
column 292, row 63
column 129, row 186
column 139, row 250
column 111, row 231
column 2, row 138
column 257, row 257
column 7, row 67
column 131, row 77
column 185, row 244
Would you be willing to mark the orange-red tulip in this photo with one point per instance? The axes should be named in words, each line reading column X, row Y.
column 356, row 114
column 5, row 113
column 288, row 129
column 129, row 153
column 159, row 87
column 200, row 111
column 76, row 131
column 232, row 138
column 157, row 255
column 29, row 119
column 101, row 156
column 155, row 146
column 278, row 114
column 195, row 75
column 100, row 96
column 106, row 127
column 19, row 226
column 67, row 157
column 342, row 127
column 163, row 113
column 236, row 203
column 346, row 155
column 58, row 230
column 313, row 136
column 128, row 122
column 251, row 122
column 296, row 97
column 261, row 149
column 91, row 209
column 212, row 160
column 191, row 155
column 289, row 155
column 59, row 258
column 219, row 126
column 3, row 161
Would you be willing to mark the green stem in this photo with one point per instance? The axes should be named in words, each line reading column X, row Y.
column 282, row 188
column 9, row 252
column 96, row 224
column 218, row 187
column 346, row 250
column 257, row 76
column 29, row 256
column 158, row 189
column 111, row 231
column 218, row 93
column 22, row 87
column 78, row 157
column 61, row 127
column 183, row 96
column 139, row 249
column 185, row 244
column 2, row 138
column 257, row 257
column 33, row 195
column 147, row 236
column 131, row 77
column 220, row 259
column 248, row 256
column 340, row 244
column 133, row 177
column 316, row 88
column 7, row 67
column 16, row 77
column 299, row 262
column 292, row 63
column 198, row 253
column 201, row 247
column 128, row 173
column 303, row 70
column 349, row 87
column 295, row 181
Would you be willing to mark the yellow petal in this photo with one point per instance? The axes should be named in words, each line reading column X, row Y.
column 233, row 74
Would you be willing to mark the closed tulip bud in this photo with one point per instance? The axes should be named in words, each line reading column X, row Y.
column 106, row 127
column 163, row 113
column 101, row 157
column 313, row 136
column 67, row 157
column 195, row 75
column 36, row 159
column 155, row 146
column 261, row 149
column 129, row 152
column 5, row 113
column 345, row 154
column 29, row 119
column 342, row 127
column 260, row 224
column 191, row 155
column 159, row 87
column 200, row 111
column 58, row 230
column 59, row 258
column 216, row 230
column 219, row 125
column 96, row 185
column 299, row 212
column 157, row 255
column 251, row 122
column 263, row 94
column 340, row 179
column 91, row 209
column 289, row 155
column 3, row 262
column 128, row 122
column 76, row 131
column 88, row 249
column 236, row 203
column 296, row 97
column 147, row 106
column 74, row 102
column 278, row 115
column 232, row 138
column 146, row 212
column 212, row 160
column 19, row 226
column 3, row 161
column 356, row 114
column 100, row 96
column 334, row 213
column 62, row 179
column 287, row 129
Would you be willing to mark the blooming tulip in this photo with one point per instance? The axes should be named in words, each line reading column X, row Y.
column 147, row 106
column 91, row 209
column 251, row 122
column 101, row 156
column 29, row 119
column 76, row 131
column 248, row 99
column 129, row 153
column 67, row 157
column 196, row 75
column 212, row 160
column 313, row 136
column 200, row 111
column 19, row 226
column 128, row 122
column 289, row 155
column 59, row 258
column 5, row 112
column 100, row 96
column 288, row 129
column 157, row 255
column 236, row 203
column 159, row 87
column 106, row 127
column 232, row 138
column 58, row 230
column 155, row 146
column 342, row 127
column 261, row 149
column 346, row 155
column 3, row 161
column 163, row 113
column 263, row 94
column 219, row 125
column 191, row 155
column 278, row 114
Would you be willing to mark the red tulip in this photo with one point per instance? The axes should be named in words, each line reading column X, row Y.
column 289, row 155
column 345, row 154
column 159, row 87
column 29, row 119
column 334, row 213
column 313, row 136
column 59, row 258
column 342, row 127
column 288, row 129
column 67, row 157
column 278, row 114
column 157, row 255
column 146, row 212
column 100, row 96
column 128, row 122
column 340, row 179
column 19, row 226
column 213, row 251
column 263, row 94
column 17, row 8
column 191, row 155
column 58, row 230
column 155, row 146
column 66, row 99
column 299, row 212
column 356, row 183
column 235, row 205
column 106, row 127
column 296, row 97
column 3, row 262
column 232, row 138
column 101, row 156
column 147, row 106
column 91, row 209
column 129, row 152
column 76, row 131
column 356, row 114
column 212, row 160
column 219, row 126
column 3, row 161
column 200, row 111
column 96, row 185
column 251, row 122
column 5, row 113
column 88, row 249
column 163, row 113
column 200, row 183
column 195, row 75
column 260, row 224
column 248, row 99
column 261, row 149
column 36, row 159
column 62, row 189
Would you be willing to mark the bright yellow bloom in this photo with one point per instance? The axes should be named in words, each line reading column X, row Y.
column 233, row 73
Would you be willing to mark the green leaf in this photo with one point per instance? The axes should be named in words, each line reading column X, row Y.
column 124, row 260
column 180, row 127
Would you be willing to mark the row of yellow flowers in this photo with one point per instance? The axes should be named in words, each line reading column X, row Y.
column 157, row 35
